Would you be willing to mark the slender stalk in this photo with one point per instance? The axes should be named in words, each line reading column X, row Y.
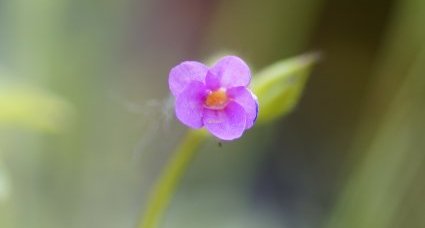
column 166, row 184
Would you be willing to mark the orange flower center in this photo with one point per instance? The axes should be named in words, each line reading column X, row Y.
column 216, row 99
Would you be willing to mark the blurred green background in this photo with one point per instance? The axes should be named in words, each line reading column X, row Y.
column 86, row 124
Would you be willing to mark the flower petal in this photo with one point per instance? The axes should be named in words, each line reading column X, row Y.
column 231, row 71
column 189, row 104
column 226, row 124
column 212, row 81
column 184, row 73
column 244, row 97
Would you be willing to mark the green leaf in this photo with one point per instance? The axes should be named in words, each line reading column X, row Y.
column 279, row 86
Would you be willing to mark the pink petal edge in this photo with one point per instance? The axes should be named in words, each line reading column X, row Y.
column 227, row 124
column 189, row 105
column 231, row 71
column 183, row 74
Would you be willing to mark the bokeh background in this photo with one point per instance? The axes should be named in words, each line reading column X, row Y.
column 86, row 124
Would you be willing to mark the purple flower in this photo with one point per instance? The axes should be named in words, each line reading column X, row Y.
column 216, row 97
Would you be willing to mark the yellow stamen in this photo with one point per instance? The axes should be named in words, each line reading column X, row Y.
column 216, row 99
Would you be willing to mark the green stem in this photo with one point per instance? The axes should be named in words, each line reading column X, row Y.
column 167, row 183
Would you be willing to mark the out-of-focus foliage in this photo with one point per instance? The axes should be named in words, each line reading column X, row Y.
column 28, row 107
column 386, row 187
column 25, row 107
column 377, row 193
column 4, row 183
column 349, row 155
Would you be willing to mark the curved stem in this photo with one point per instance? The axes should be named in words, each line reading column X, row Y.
column 166, row 184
